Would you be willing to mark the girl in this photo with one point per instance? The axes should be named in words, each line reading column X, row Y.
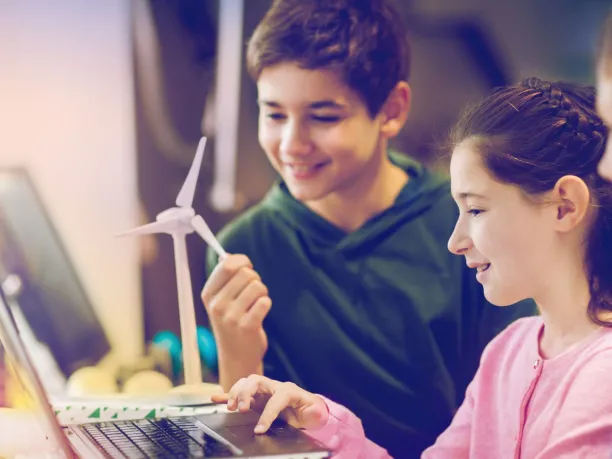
column 535, row 222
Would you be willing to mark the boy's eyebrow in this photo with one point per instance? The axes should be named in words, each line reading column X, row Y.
column 327, row 103
column 269, row 103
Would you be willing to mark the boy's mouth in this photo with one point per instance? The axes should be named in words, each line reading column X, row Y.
column 301, row 168
column 305, row 170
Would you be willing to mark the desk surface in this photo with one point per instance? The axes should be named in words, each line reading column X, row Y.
column 22, row 434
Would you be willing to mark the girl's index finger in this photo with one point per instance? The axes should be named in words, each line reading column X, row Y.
column 277, row 403
column 219, row 398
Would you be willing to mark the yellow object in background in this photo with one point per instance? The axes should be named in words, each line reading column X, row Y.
column 16, row 394
column 147, row 383
column 3, row 378
column 91, row 381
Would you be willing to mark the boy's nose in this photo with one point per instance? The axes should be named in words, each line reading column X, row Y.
column 295, row 142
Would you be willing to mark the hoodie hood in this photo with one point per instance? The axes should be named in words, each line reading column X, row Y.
column 423, row 190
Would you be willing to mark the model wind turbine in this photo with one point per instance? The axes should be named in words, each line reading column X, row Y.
column 179, row 222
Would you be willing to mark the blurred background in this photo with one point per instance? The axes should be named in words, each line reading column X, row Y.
column 101, row 108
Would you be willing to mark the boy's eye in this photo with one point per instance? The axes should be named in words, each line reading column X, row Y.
column 276, row 116
column 326, row 119
column 475, row 212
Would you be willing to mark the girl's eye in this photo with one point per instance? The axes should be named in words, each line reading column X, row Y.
column 475, row 212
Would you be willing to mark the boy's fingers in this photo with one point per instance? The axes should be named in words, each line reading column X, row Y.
column 222, row 273
column 228, row 302
column 241, row 279
column 255, row 316
column 254, row 290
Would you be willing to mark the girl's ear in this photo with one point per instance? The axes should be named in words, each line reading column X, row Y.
column 572, row 200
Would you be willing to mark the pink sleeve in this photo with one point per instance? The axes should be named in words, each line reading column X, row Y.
column 454, row 442
column 583, row 428
column 344, row 435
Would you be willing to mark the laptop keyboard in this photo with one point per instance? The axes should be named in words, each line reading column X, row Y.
column 155, row 438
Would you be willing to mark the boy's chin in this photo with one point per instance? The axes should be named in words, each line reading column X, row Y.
column 305, row 193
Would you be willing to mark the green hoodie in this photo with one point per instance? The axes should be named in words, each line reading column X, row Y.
column 384, row 320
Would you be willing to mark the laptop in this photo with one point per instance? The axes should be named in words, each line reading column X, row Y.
column 215, row 435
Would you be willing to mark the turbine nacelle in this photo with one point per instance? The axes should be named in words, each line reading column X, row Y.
column 176, row 213
column 176, row 220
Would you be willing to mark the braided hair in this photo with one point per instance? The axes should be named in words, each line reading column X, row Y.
column 533, row 133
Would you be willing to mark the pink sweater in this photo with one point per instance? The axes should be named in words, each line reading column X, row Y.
column 517, row 406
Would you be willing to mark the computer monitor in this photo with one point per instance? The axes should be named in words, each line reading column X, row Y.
column 37, row 274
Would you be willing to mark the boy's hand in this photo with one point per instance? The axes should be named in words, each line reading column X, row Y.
column 237, row 303
column 272, row 399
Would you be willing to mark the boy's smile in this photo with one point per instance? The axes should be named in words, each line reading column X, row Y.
column 301, row 171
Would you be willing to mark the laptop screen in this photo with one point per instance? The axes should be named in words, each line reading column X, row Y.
column 43, row 281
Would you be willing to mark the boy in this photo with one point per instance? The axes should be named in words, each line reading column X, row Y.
column 604, row 91
column 370, row 308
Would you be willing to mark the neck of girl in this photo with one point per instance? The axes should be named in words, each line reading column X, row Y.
column 564, row 309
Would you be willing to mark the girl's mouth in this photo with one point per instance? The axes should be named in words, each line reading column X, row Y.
column 483, row 268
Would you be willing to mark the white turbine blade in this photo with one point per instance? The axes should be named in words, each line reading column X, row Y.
column 200, row 226
column 185, row 196
column 151, row 228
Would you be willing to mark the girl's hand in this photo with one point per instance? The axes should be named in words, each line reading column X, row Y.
column 272, row 399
